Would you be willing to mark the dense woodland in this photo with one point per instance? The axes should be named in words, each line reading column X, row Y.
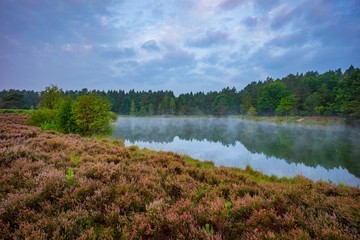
column 333, row 93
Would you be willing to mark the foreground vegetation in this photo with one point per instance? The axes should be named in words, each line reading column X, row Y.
column 67, row 187
column 86, row 115
column 332, row 93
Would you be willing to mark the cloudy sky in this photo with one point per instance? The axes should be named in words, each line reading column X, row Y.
column 179, row 45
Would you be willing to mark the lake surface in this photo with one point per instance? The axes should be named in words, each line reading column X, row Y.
column 329, row 153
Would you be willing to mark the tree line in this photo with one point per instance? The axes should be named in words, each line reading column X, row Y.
column 332, row 93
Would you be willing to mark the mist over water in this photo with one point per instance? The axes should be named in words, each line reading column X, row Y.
column 329, row 153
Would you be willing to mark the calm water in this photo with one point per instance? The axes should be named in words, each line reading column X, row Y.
column 316, row 152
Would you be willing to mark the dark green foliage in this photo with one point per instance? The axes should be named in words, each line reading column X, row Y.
column 348, row 95
column 91, row 114
column 287, row 105
column 16, row 99
column 328, row 94
column 311, row 103
column 245, row 103
column 220, row 106
column 51, row 97
column 12, row 100
column 87, row 114
column 43, row 118
column 65, row 117
column 270, row 96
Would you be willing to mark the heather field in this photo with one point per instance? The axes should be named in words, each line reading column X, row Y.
column 63, row 186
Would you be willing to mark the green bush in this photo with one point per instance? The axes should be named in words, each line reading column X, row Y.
column 43, row 118
column 65, row 118
column 16, row 111
column 91, row 113
column 87, row 115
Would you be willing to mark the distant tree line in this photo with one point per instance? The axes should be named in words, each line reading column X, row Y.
column 332, row 93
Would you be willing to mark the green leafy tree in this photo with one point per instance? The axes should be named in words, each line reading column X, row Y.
column 12, row 100
column 252, row 111
column 172, row 106
column 91, row 114
column 65, row 118
column 312, row 102
column 348, row 96
column 165, row 105
column 132, row 108
column 245, row 103
column 270, row 96
column 51, row 97
column 125, row 105
column 160, row 109
column 151, row 109
column 220, row 105
column 287, row 105
column 50, row 101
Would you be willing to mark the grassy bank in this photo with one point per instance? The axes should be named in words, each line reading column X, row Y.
column 297, row 119
column 314, row 120
column 17, row 111
column 67, row 187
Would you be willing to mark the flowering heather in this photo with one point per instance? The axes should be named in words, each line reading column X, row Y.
column 67, row 187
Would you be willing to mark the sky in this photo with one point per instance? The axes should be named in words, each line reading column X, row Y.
column 178, row 45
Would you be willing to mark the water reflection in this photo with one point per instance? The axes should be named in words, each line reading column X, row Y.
column 328, row 153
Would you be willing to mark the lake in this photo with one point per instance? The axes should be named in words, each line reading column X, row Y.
column 328, row 153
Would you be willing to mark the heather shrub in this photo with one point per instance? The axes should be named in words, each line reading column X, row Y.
column 55, row 186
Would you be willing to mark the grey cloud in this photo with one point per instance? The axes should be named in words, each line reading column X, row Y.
column 157, row 71
column 214, row 72
column 128, row 64
column 151, row 46
column 212, row 59
column 211, row 39
column 321, row 21
column 230, row 4
column 175, row 59
column 118, row 53
column 294, row 60
column 250, row 22
column 310, row 14
column 265, row 4
column 158, row 11
column 303, row 59
column 283, row 18
column 259, row 4
column 289, row 40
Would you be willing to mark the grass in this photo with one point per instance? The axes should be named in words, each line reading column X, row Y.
column 56, row 186
column 315, row 120
column 297, row 119
column 17, row 111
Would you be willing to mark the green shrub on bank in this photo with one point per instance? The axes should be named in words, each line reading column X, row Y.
column 87, row 115
column 42, row 117
column 91, row 114
column 65, row 118
column 16, row 111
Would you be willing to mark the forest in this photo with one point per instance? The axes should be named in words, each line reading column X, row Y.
column 332, row 93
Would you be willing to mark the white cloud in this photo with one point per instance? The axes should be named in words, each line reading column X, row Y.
column 206, row 44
